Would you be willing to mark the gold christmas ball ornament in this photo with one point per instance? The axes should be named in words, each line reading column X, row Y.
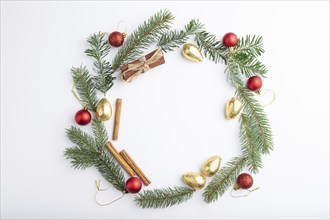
column 191, row 52
column 211, row 166
column 194, row 180
column 233, row 108
column 104, row 110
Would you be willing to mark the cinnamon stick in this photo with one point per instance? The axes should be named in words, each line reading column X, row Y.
column 136, row 169
column 120, row 160
column 117, row 120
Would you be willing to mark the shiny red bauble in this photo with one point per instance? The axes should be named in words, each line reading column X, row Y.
column 230, row 39
column 83, row 117
column 254, row 83
column 244, row 181
column 116, row 39
column 133, row 185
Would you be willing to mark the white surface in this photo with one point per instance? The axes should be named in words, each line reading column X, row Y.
column 172, row 118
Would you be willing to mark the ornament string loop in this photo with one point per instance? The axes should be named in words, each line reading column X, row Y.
column 98, row 187
column 239, row 196
column 142, row 66
column 265, row 92
column 75, row 95
column 119, row 23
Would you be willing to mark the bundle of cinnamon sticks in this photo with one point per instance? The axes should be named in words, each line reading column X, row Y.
column 128, row 164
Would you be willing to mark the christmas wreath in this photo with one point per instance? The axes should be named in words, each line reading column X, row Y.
column 245, row 73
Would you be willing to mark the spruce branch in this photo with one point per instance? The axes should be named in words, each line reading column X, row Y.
column 100, row 134
column 223, row 179
column 174, row 38
column 259, row 122
column 249, row 65
column 89, row 151
column 162, row 198
column 145, row 35
column 250, row 45
column 85, row 87
column 99, row 49
column 212, row 48
column 249, row 143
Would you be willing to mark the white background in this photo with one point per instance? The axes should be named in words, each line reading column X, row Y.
column 172, row 118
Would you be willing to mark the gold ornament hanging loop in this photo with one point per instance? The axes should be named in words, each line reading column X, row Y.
column 79, row 100
column 98, row 187
column 248, row 192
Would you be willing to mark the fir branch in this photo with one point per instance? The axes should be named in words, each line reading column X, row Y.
column 145, row 35
column 259, row 122
column 162, row 198
column 100, row 134
column 223, row 179
column 174, row 38
column 80, row 138
column 212, row 48
column 251, row 46
column 249, row 65
column 99, row 49
column 250, row 145
column 85, row 87
column 111, row 170
column 89, row 152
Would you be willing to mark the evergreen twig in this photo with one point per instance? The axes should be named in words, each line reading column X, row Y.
column 212, row 48
column 174, row 38
column 259, row 125
column 88, row 152
column 99, row 49
column 145, row 35
column 252, row 46
column 162, row 198
column 85, row 87
column 225, row 177
column 249, row 65
column 249, row 144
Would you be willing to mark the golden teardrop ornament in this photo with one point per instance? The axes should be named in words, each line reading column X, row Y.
column 191, row 52
column 103, row 109
column 211, row 166
column 194, row 180
column 233, row 108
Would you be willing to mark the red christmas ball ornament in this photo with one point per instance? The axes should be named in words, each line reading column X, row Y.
column 116, row 39
column 133, row 185
column 254, row 83
column 244, row 181
column 83, row 117
column 230, row 39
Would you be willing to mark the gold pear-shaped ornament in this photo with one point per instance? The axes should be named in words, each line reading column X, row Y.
column 191, row 52
column 104, row 109
column 233, row 108
column 211, row 166
column 194, row 180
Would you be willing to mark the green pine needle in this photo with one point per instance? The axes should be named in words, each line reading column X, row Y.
column 89, row 151
column 174, row 38
column 163, row 198
column 225, row 177
column 212, row 48
column 260, row 125
column 250, row 45
column 250, row 144
column 85, row 87
column 249, row 65
column 99, row 49
column 144, row 36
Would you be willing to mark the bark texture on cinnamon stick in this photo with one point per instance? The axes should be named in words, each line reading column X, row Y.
column 117, row 120
column 120, row 160
column 135, row 167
